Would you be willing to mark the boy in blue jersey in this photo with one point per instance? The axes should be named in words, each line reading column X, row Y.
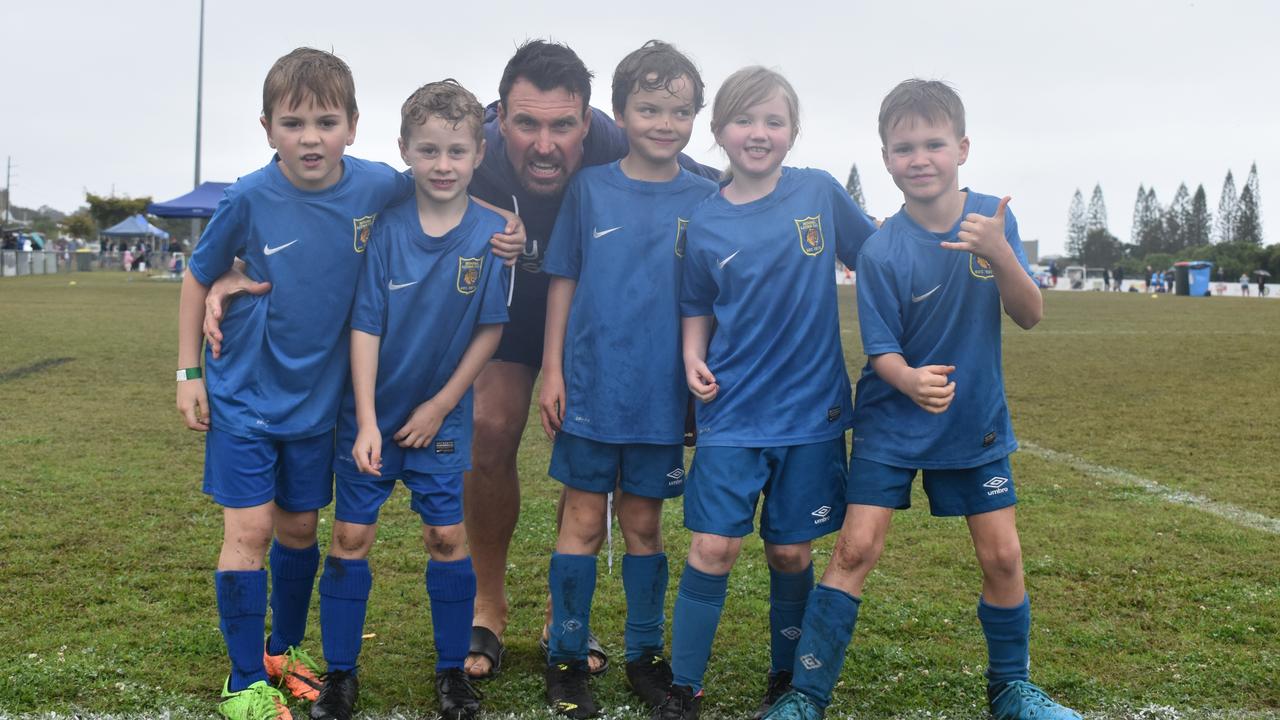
column 613, row 397
column 762, row 350
column 428, row 315
column 931, row 398
column 302, row 224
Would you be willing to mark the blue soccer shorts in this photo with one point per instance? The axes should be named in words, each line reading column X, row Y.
column 436, row 497
column 248, row 472
column 952, row 492
column 652, row 471
column 803, row 488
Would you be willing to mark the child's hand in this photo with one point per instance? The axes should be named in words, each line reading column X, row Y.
column 232, row 283
column 701, row 382
column 193, row 404
column 983, row 236
column 931, row 389
column 421, row 427
column 368, row 450
column 509, row 243
column 551, row 403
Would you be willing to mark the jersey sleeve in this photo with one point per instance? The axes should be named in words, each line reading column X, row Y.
column 493, row 294
column 223, row 240
column 853, row 226
column 879, row 312
column 369, row 309
column 564, row 251
column 698, row 289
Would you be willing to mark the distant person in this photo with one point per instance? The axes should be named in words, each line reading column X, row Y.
column 1262, row 285
column 1170, row 278
column 1053, row 273
column 931, row 399
column 1118, row 278
column 1106, row 279
column 1244, row 284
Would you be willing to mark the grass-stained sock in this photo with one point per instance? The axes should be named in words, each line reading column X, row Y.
column 829, row 620
column 293, row 574
column 344, row 597
column 573, row 584
column 242, row 617
column 644, row 581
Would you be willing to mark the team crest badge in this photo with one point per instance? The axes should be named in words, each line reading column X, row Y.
column 469, row 274
column 363, row 228
column 980, row 268
column 681, row 224
column 811, row 240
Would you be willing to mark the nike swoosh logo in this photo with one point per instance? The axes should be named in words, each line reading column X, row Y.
column 268, row 250
column 601, row 233
column 725, row 261
column 391, row 284
column 918, row 298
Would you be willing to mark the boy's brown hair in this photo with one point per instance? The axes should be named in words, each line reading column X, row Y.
column 654, row 67
column 447, row 100
column 931, row 100
column 309, row 74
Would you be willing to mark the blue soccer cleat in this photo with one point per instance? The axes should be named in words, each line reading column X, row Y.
column 794, row 705
column 1021, row 700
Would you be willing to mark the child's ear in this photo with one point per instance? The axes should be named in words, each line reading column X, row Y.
column 266, row 125
column 404, row 150
column 480, row 153
column 964, row 149
column 351, row 133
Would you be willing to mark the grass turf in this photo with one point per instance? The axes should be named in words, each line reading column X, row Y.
column 1142, row 608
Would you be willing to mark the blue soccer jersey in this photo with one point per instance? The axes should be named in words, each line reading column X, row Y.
column 424, row 296
column 933, row 306
column 766, row 271
column 622, row 240
column 285, row 354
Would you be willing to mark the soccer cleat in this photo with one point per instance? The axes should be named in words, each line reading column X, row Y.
column 459, row 699
column 650, row 678
column 259, row 701
column 295, row 671
column 568, row 691
column 337, row 697
column 1021, row 700
column 779, row 684
column 680, row 704
column 794, row 705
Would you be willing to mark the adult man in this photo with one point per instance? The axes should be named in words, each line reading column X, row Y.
column 541, row 130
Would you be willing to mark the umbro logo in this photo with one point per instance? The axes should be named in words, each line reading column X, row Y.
column 810, row 662
column 676, row 476
column 268, row 250
column 822, row 514
column 571, row 626
column 601, row 233
column 791, row 633
column 998, row 485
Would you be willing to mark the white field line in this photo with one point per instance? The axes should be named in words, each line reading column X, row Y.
column 1227, row 511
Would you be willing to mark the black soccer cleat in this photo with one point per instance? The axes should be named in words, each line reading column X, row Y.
column 778, row 685
column 680, row 704
column 338, row 695
column 650, row 678
column 569, row 691
column 459, row 698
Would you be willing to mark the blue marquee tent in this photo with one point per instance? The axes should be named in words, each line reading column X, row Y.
column 135, row 226
column 198, row 203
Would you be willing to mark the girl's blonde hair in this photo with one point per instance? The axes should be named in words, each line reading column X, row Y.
column 751, row 86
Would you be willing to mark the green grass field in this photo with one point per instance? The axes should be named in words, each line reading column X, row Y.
column 1148, row 514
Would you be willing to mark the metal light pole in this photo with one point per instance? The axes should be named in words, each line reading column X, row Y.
column 195, row 222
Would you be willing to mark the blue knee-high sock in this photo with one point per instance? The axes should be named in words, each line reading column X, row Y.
column 344, row 597
column 451, row 588
column 293, row 574
column 788, row 593
column 1008, row 631
column 242, row 616
column 829, row 619
column 644, row 581
column 699, row 602
column 573, row 583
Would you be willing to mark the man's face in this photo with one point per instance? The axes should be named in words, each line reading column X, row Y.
column 544, row 130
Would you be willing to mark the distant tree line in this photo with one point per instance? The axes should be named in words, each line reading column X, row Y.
column 1183, row 230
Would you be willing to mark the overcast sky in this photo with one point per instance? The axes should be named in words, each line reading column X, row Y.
column 101, row 97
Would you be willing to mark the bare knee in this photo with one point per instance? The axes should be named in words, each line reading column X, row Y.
column 714, row 554
column 352, row 541
column 641, row 522
column 445, row 542
column 855, row 554
column 789, row 559
column 1002, row 562
column 296, row 529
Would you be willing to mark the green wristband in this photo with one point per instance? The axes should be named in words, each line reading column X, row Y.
column 189, row 374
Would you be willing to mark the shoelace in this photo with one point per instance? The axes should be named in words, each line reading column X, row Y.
column 1032, row 695
column 265, row 702
column 296, row 656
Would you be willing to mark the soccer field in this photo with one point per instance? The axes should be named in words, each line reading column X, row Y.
column 1149, row 515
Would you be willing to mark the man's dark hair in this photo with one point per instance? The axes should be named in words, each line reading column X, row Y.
column 653, row 67
column 548, row 65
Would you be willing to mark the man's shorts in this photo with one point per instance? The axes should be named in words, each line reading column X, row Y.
column 652, row 471
column 436, row 498
column 527, row 319
column 248, row 472
column 958, row 492
column 803, row 488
